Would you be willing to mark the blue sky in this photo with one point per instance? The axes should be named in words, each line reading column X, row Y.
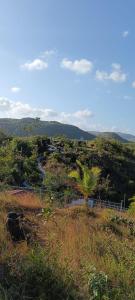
column 70, row 61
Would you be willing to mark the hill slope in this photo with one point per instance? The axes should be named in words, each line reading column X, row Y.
column 111, row 135
column 29, row 126
column 77, row 252
column 127, row 136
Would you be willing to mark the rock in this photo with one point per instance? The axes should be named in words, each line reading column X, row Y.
column 17, row 228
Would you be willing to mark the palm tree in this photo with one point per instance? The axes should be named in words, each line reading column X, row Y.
column 87, row 179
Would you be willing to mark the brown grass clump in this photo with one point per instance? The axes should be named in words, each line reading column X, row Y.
column 27, row 201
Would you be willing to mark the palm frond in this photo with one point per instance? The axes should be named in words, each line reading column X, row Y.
column 96, row 171
column 86, row 178
column 81, row 166
column 74, row 174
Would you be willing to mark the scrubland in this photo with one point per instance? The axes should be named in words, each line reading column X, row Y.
column 76, row 253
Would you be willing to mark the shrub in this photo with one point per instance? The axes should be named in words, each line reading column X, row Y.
column 131, row 209
column 98, row 285
column 3, row 294
column 34, row 277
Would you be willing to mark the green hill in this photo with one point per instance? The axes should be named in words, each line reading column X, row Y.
column 110, row 135
column 127, row 136
column 30, row 126
column 113, row 135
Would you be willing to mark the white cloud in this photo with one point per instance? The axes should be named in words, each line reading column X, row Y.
column 102, row 75
column 116, row 66
column 79, row 118
column 82, row 66
column 82, row 114
column 125, row 33
column 37, row 64
column 82, row 118
column 18, row 109
column 116, row 75
column 133, row 84
column 15, row 89
column 101, row 128
column 48, row 53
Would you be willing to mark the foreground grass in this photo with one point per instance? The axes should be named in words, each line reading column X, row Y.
column 77, row 254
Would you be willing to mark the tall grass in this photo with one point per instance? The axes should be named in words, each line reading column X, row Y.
column 81, row 241
column 83, row 254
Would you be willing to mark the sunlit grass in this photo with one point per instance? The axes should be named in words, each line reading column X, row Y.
column 80, row 241
column 25, row 200
column 77, row 239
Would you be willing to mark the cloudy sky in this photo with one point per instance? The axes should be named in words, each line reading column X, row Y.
column 70, row 61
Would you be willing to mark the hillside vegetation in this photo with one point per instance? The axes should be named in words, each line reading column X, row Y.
column 112, row 135
column 19, row 165
column 75, row 253
column 119, row 136
column 30, row 126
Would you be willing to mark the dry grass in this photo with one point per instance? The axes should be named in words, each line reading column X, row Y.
column 78, row 240
column 29, row 201
column 25, row 201
column 29, row 204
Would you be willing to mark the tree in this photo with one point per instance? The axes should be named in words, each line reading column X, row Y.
column 87, row 179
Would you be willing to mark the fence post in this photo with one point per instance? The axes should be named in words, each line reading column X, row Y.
column 40, row 191
column 121, row 205
column 124, row 201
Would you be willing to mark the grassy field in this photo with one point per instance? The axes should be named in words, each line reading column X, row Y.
column 76, row 253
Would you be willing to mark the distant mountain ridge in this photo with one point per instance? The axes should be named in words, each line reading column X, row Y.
column 127, row 136
column 31, row 126
column 110, row 135
column 119, row 136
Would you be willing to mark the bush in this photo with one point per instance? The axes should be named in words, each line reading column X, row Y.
column 131, row 209
column 3, row 294
column 98, row 286
column 35, row 278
